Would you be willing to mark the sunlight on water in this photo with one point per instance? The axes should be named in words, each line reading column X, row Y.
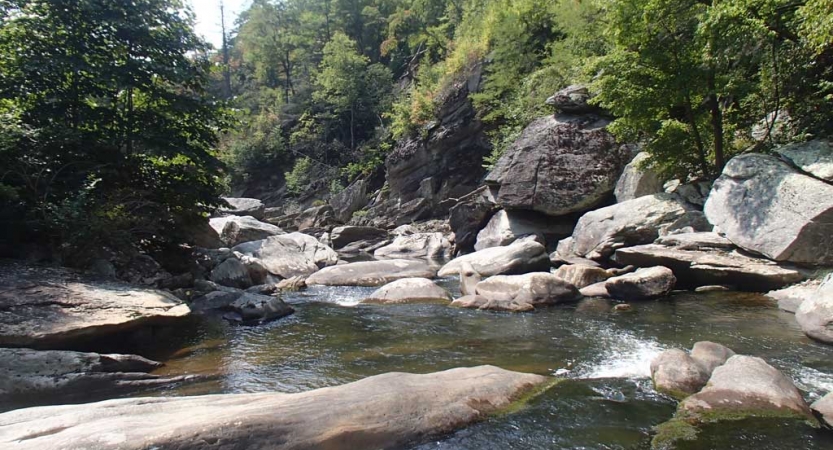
column 626, row 356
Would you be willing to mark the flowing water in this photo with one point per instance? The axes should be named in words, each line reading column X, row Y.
column 607, row 403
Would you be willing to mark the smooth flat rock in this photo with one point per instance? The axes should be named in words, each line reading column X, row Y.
column 539, row 288
column 416, row 246
column 371, row 273
column 483, row 303
column 704, row 268
column 409, row 290
column 387, row 411
column 289, row 255
column 240, row 206
column 27, row 375
column 791, row 297
column 648, row 283
column 44, row 307
column 582, row 276
column 518, row 257
column 746, row 386
column 766, row 206
column 815, row 315
column 595, row 290
column 696, row 241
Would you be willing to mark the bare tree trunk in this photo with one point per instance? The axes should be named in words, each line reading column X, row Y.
column 226, row 68
column 717, row 123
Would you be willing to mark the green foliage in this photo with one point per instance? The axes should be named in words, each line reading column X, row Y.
column 298, row 179
column 107, row 132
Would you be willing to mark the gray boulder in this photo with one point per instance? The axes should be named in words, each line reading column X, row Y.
column 350, row 200
column 236, row 230
column 483, row 303
column 468, row 279
column 533, row 288
column 242, row 207
column 649, row 283
column 637, row 181
column 824, row 409
column 371, row 273
column 27, row 376
column 469, row 215
column 559, row 165
column 416, row 246
column 791, row 297
column 582, row 276
column 219, row 300
column 678, row 374
column 387, row 411
column 519, row 257
column 259, row 308
column 573, row 100
column 231, row 273
column 409, row 290
column 639, row 221
column 289, row 255
column 711, row 355
column 815, row 315
column 764, row 205
column 694, row 193
column 746, row 386
column 315, row 217
column 505, row 227
column 341, row 237
column 813, row 157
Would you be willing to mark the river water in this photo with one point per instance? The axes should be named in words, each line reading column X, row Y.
column 607, row 403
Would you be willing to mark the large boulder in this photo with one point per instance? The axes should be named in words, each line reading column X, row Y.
column 38, row 376
column 505, row 227
column 746, row 386
column 538, row 288
column 676, row 373
column 580, row 275
column 764, row 205
column 232, row 273
column 559, row 165
column 469, row 215
column 315, row 217
column 409, row 290
column 348, row 201
column 341, row 237
column 416, row 246
column 242, row 207
column 643, row 284
column 813, row 157
column 289, row 255
column 371, row 273
column 256, row 308
column 639, row 221
column 791, row 297
column 824, row 408
column 53, row 307
column 711, row 266
column 519, row 257
column 236, row 230
column 389, row 411
column 815, row 315
column 637, row 181
column 469, row 279
column 486, row 304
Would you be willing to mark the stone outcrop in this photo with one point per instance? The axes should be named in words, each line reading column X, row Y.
column 582, row 276
column 647, row 283
column 483, row 303
column 341, row 237
column 559, row 165
column 39, row 376
column 537, row 288
column 815, row 315
column 315, row 217
column 639, row 221
column 287, row 256
column 637, row 181
column 409, row 290
column 814, row 157
column 676, row 373
column 416, row 246
column 505, row 227
column 469, row 215
column 348, row 201
column 519, row 257
column 697, row 264
column 387, row 411
column 766, row 206
column 47, row 307
column 236, row 230
column 371, row 273
column 242, row 207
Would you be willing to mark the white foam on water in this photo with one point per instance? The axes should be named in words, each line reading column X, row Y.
column 813, row 381
column 626, row 356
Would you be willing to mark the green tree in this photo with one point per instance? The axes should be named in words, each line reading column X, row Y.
column 116, row 130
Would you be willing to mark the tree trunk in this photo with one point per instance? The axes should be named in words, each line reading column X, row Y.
column 717, row 123
column 698, row 141
column 352, row 139
column 226, row 68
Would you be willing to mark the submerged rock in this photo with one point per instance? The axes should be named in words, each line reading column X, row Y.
column 519, row 257
column 386, row 411
column 815, row 315
column 559, row 165
column 764, row 205
column 483, row 303
column 260, row 308
column 371, row 273
column 539, row 288
column 26, row 375
column 643, row 284
column 409, row 290
column 45, row 307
